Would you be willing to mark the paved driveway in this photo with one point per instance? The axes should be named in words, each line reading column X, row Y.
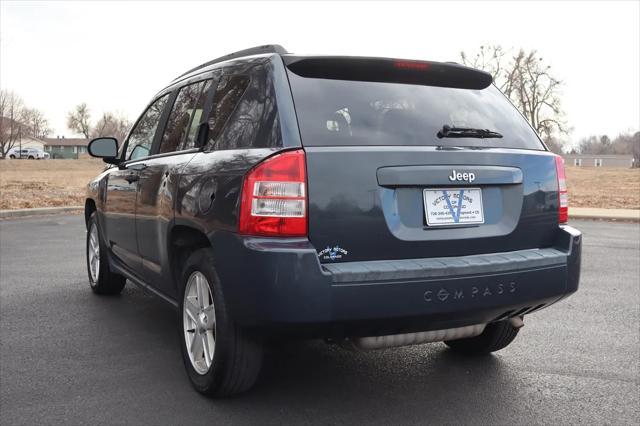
column 68, row 356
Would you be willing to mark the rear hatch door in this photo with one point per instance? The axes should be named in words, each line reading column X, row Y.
column 383, row 185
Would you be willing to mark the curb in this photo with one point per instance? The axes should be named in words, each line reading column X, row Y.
column 42, row 211
column 628, row 215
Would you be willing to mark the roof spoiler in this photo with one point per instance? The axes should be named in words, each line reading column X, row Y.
column 258, row 50
column 385, row 70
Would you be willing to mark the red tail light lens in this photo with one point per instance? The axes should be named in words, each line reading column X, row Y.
column 563, row 196
column 274, row 197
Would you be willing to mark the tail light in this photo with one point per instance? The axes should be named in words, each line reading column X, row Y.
column 274, row 197
column 563, row 196
column 411, row 65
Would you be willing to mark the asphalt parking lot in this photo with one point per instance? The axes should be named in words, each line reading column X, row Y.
column 70, row 357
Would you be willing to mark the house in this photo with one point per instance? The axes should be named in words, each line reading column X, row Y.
column 30, row 142
column 24, row 142
column 598, row 160
column 61, row 147
column 21, row 141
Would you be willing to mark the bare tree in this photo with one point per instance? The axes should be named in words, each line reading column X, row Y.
column 104, row 126
column 529, row 83
column 111, row 124
column 494, row 60
column 79, row 120
column 633, row 141
column 590, row 145
column 605, row 141
column 11, row 130
column 36, row 124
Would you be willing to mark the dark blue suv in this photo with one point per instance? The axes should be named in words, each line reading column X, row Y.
column 372, row 202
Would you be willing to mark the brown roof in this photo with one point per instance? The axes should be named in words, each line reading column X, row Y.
column 66, row 141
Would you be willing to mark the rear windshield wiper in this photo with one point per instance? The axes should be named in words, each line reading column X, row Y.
column 465, row 132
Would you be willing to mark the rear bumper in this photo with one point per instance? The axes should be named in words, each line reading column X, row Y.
column 279, row 286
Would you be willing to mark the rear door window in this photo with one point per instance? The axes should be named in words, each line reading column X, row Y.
column 225, row 101
column 340, row 112
column 184, row 119
column 142, row 135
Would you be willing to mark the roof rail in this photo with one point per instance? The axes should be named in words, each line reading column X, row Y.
column 267, row 48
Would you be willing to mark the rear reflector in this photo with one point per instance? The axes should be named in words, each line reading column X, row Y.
column 563, row 196
column 274, row 201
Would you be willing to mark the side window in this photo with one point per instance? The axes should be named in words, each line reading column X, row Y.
column 196, row 116
column 141, row 137
column 228, row 94
column 182, row 124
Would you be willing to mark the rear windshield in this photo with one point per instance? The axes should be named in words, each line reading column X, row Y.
column 340, row 112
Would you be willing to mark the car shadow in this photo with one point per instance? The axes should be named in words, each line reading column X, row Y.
column 312, row 378
column 312, row 381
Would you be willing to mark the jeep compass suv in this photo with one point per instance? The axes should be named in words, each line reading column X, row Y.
column 371, row 202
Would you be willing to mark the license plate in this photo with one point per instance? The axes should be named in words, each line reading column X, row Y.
column 453, row 206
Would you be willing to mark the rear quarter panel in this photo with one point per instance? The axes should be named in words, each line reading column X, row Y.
column 208, row 193
column 264, row 123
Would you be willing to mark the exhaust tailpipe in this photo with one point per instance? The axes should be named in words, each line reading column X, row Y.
column 516, row 322
column 406, row 339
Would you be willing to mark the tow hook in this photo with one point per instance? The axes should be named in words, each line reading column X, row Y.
column 517, row 322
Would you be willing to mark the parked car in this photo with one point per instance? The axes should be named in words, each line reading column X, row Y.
column 27, row 153
column 370, row 202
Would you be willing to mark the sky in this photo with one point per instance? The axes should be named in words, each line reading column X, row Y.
column 115, row 56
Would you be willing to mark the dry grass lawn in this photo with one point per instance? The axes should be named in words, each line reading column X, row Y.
column 604, row 188
column 45, row 183
column 30, row 183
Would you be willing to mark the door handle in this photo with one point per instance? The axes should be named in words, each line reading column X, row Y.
column 132, row 178
column 137, row 167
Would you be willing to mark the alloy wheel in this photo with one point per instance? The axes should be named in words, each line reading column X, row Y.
column 199, row 322
column 93, row 252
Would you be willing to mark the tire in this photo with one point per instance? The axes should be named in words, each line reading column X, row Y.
column 101, row 279
column 235, row 358
column 13, row 157
column 31, row 157
column 496, row 336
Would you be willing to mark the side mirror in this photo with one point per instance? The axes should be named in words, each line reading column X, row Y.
column 105, row 148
